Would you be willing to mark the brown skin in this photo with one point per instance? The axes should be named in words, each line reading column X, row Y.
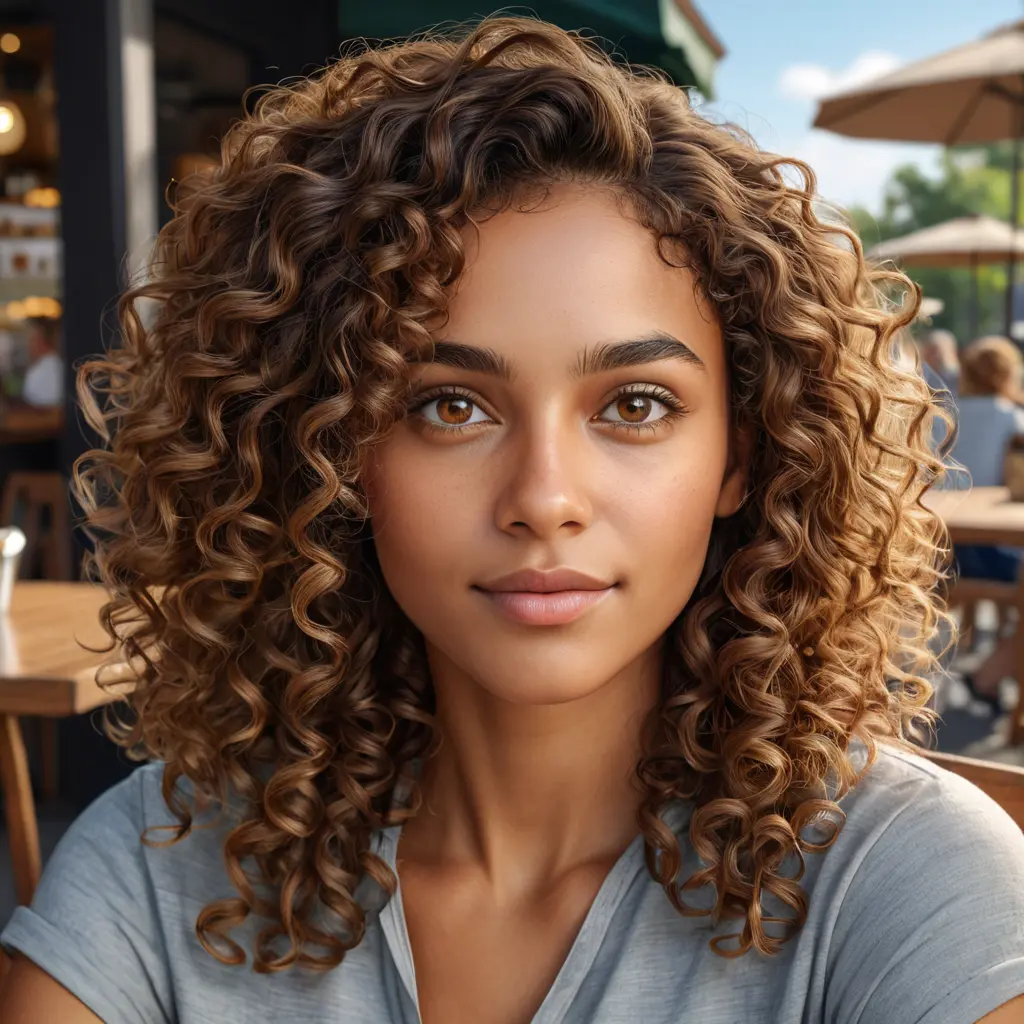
column 530, row 800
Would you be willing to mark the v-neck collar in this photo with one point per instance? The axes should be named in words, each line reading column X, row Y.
column 581, row 954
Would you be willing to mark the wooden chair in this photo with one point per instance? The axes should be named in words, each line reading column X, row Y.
column 29, row 497
column 1003, row 782
column 965, row 594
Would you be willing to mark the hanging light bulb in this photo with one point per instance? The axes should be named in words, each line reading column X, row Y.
column 12, row 127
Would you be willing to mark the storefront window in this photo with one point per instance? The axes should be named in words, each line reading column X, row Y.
column 31, row 362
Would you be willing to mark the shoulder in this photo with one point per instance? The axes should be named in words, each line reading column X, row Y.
column 926, row 902
column 1007, row 410
column 988, row 407
column 907, row 798
column 47, row 365
column 118, row 817
column 107, row 902
column 131, row 827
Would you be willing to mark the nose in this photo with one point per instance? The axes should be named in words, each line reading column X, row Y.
column 546, row 483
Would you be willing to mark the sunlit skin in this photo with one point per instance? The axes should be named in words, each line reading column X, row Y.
column 530, row 800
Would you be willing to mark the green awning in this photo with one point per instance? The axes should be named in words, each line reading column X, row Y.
column 642, row 31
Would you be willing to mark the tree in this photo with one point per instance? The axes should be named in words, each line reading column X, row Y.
column 972, row 179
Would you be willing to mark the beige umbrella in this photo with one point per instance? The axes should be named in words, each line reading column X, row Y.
column 961, row 242
column 973, row 93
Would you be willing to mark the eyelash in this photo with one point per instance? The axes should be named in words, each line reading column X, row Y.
column 674, row 407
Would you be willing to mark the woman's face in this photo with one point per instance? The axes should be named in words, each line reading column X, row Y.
column 576, row 417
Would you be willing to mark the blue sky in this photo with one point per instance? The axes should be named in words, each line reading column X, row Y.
column 781, row 54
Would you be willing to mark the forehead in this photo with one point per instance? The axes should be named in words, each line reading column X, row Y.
column 575, row 271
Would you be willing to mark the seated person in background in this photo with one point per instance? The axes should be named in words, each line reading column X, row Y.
column 991, row 385
column 910, row 356
column 939, row 353
column 992, row 370
column 44, row 379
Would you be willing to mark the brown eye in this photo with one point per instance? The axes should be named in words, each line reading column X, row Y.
column 635, row 410
column 454, row 410
column 450, row 410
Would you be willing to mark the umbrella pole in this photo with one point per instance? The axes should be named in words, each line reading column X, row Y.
column 1011, row 264
column 973, row 321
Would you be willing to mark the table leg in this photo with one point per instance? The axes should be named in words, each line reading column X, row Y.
column 49, row 751
column 20, row 809
column 1016, row 719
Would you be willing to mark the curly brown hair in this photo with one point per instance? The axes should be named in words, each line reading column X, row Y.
column 238, row 407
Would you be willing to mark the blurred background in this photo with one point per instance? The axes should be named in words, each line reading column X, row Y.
column 910, row 114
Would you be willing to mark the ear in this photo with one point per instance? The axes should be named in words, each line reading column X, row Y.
column 736, row 479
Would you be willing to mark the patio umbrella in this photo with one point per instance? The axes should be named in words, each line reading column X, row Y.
column 961, row 242
column 669, row 34
column 971, row 94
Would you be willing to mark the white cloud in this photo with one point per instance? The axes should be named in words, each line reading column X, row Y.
column 810, row 82
column 849, row 171
column 855, row 171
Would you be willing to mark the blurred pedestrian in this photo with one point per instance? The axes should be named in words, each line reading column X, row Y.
column 939, row 352
column 44, row 379
column 910, row 356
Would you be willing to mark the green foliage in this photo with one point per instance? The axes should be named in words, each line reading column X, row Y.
column 972, row 179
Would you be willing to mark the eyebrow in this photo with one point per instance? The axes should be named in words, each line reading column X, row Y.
column 608, row 356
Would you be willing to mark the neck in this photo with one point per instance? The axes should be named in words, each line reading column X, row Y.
column 528, row 792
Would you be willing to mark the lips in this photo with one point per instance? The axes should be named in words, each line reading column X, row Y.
column 538, row 581
column 538, row 598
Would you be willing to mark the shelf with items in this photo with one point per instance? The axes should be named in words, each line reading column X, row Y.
column 31, row 246
column 31, row 256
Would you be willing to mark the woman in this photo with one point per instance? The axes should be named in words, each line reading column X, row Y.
column 940, row 354
column 991, row 378
column 515, row 504
column 988, row 415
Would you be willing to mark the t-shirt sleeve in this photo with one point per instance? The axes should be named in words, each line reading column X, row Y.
column 931, row 928
column 93, row 923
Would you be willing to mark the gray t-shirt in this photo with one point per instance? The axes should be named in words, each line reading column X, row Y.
column 916, row 915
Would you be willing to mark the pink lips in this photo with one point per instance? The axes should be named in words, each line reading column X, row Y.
column 540, row 598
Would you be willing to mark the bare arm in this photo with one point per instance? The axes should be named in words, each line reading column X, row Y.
column 1009, row 1013
column 29, row 995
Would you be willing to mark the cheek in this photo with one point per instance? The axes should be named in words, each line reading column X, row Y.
column 667, row 523
column 420, row 521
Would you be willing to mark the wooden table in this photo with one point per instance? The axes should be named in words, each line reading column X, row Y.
column 986, row 515
column 982, row 515
column 21, row 424
column 43, row 671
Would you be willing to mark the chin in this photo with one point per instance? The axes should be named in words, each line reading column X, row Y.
column 571, row 672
